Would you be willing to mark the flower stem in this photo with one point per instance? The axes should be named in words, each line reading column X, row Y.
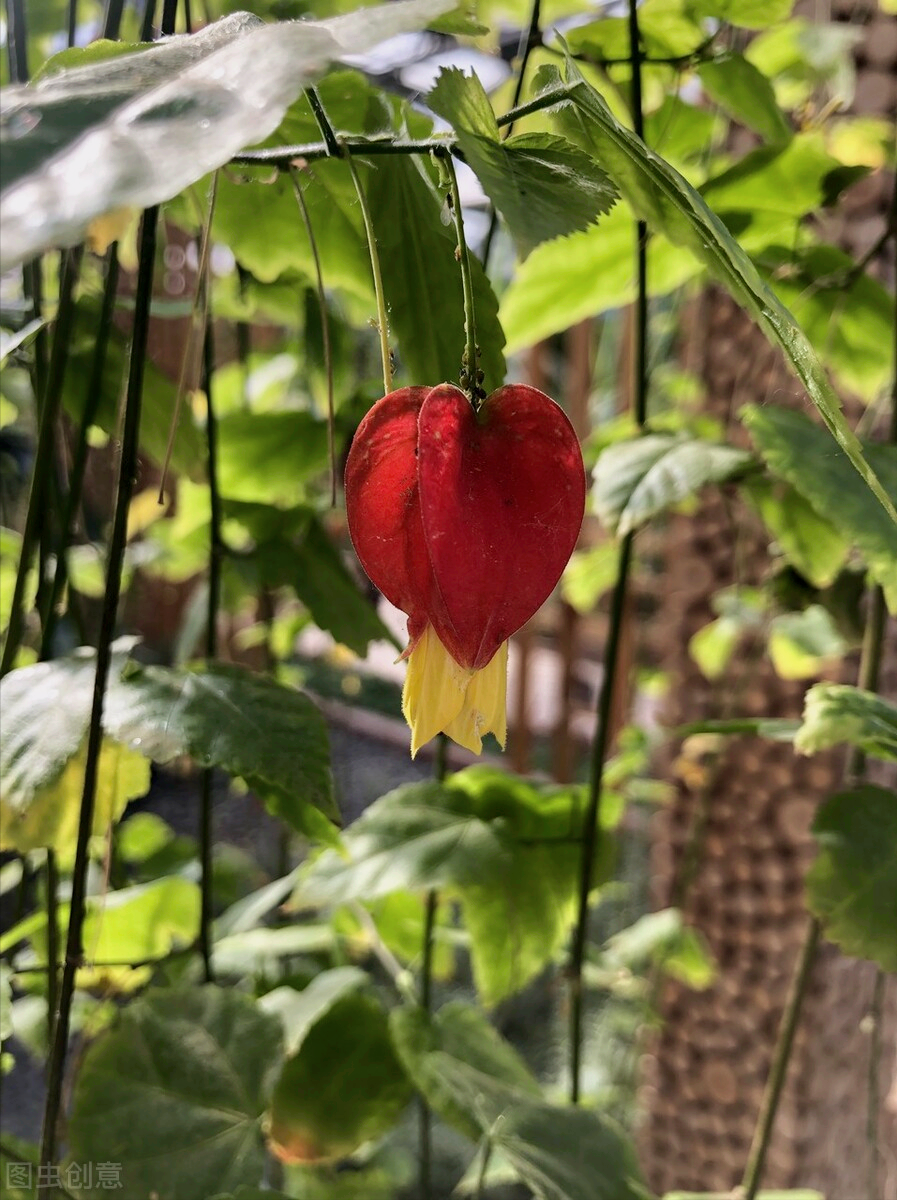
column 601, row 744
column 382, row 320
column 470, row 374
column 325, row 322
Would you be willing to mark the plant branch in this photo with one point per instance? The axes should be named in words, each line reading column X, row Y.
column 471, row 376
column 117, row 544
column 325, row 323
column 612, row 655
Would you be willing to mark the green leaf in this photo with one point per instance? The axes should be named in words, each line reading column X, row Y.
column 269, row 457
column 50, row 815
column 422, row 280
column 662, row 938
column 745, row 94
column 559, row 1153
column 636, row 480
column 44, row 711
column 565, row 281
column 803, row 644
column 793, row 447
column 747, row 14
column 788, row 1194
column 175, row 1092
column 543, row 186
column 501, row 845
column 660, row 195
column 589, row 574
column 712, row 646
column 225, row 716
column 161, row 118
column 300, row 1010
column 344, row 1086
column 852, row 885
column 809, row 541
column 835, row 713
column 665, row 29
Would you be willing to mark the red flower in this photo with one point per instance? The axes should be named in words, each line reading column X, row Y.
column 464, row 520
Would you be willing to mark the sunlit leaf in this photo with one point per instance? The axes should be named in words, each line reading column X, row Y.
column 835, row 713
column 746, row 94
column 808, row 540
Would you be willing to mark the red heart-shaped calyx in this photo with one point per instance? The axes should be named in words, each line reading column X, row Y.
column 465, row 519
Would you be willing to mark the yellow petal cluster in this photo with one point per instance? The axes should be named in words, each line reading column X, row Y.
column 442, row 697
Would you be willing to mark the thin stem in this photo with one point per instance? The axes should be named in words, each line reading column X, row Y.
column 873, row 1090
column 112, row 19
column 92, row 394
column 612, row 654
column 71, row 22
column 216, row 556
column 528, row 41
column 382, row 321
column 327, row 131
column 52, row 882
column 44, row 464
column 325, row 324
column 471, row 376
column 481, row 1174
column 17, row 41
column 781, row 1056
column 117, row 543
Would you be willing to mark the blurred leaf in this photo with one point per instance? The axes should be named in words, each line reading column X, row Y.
column 589, row 574
column 746, row 94
column 543, row 186
column 789, row 1194
column 262, row 952
column 670, row 205
column 343, row 1087
column 852, row 885
column 712, row 646
column 663, row 939
column 175, row 1092
column 45, row 710
column 636, row 480
column 502, row 845
column 270, row 457
column 808, row 540
column 299, row 1010
column 224, row 715
column 475, row 1081
column 50, row 815
column 794, row 446
column 137, row 129
column 835, row 713
column 422, row 280
column 805, row 57
column 747, row 14
column 802, row 644
column 666, row 28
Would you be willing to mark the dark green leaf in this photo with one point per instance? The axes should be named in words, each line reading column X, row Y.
column 159, row 119
column 796, row 1194
column 223, row 715
column 175, row 1092
column 343, row 1087
column 502, row 845
column 852, row 885
column 745, row 94
column 794, row 446
column 835, row 713
column 423, row 282
column 300, row 1010
column 560, row 1153
column 668, row 203
column 636, row 480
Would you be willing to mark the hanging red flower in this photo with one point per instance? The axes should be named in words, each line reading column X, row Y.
column 464, row 520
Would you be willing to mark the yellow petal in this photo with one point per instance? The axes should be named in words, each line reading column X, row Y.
column 441, row 696
column 110, row 227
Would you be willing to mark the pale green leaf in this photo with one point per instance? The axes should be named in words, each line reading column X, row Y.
column 636, row 480
column 746, row 94
column 809, row 541
column 138, row 129
column 461, row 99
column 835, row 713
column 852, row 885
column 174, row 1093
column 748, row 14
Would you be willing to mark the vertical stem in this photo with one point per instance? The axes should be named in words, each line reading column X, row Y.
column 601, row 744
column 117, row 543
column 426, row 996
column 92, row 393
column 873, row 1091
column 216, row 547
column 325, row 326
column 112, row 19
column 72, row 22
column 146, row 25
column 52, row 881
column 470, row 374
column 382, row 320
column 781, row 1055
